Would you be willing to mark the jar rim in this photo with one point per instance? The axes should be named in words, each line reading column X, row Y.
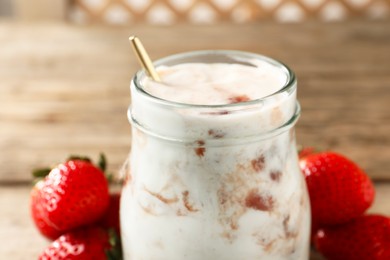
column 287, row 87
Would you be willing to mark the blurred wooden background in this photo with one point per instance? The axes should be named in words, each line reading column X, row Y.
column 65, row 71
column 31, row 66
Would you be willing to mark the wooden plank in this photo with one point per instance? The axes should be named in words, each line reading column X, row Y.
column 64, row 88
column 17, row 229
column 20, row 238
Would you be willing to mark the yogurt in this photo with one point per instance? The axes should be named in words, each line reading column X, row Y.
column 213, row 168
column 216, row 83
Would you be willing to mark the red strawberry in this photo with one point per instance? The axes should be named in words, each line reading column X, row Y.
column 366, row 237
column 339, row 190
column 111, row 218
column 36, row 209
column 91, row 243
column 73, row 194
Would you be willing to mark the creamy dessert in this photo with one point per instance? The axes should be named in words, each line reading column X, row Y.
column 213, row 167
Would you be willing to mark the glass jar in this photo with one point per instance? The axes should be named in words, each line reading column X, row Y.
column 210, row 182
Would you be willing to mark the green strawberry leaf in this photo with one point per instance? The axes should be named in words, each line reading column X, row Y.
column 102, row 163
column 115, row 252
column 79, row 157
column 41, row 173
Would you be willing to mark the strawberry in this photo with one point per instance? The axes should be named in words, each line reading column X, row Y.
column 74, row 193
column 90, row 243
column 339, row 190
column 366, row 237
column 36, row 209
column 111, row 217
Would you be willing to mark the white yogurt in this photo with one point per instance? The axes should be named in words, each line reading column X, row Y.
column 216, row 83
column 216, row 181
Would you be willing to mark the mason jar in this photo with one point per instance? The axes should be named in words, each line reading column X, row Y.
column 210, row 182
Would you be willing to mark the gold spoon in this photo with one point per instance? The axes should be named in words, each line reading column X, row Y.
column 143, row 57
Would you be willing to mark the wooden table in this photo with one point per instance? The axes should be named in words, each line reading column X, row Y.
column 64, row 89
